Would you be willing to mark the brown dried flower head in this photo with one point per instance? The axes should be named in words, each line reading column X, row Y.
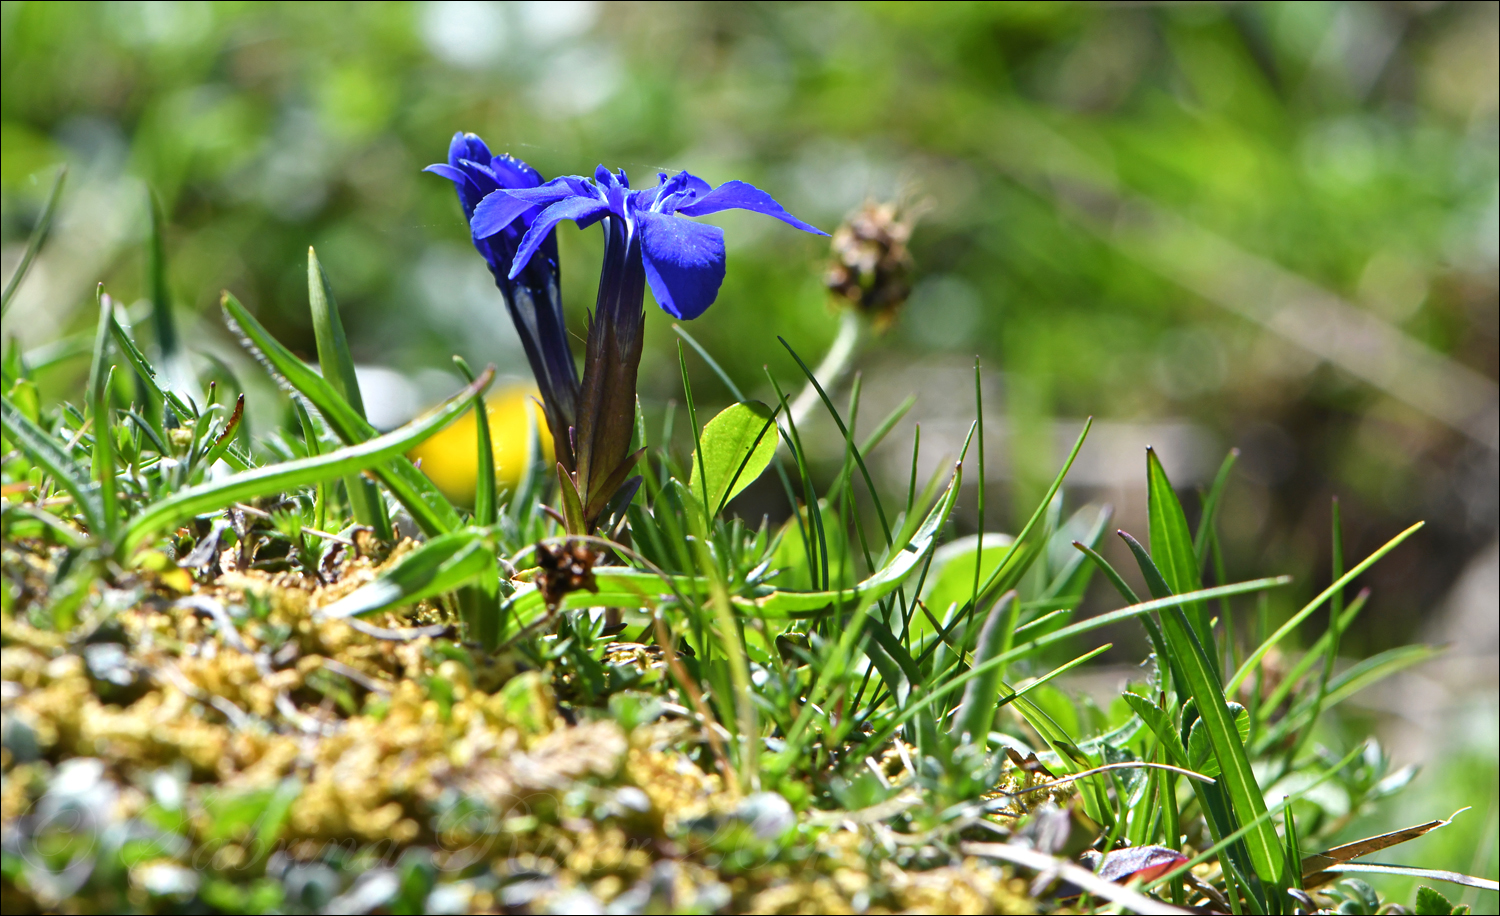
column 870, row 268
column 564, row 569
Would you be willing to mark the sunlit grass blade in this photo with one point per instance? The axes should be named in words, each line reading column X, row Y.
column 977, row 708
column 1172, row 549
column 1296, row 619
column 1211, row 504
column 172, row 360
column 101, row 375
column 486, row 496
column 432, row 511
column 1093, row 623
column 1191, row 661
column 248, row 485
column 1293, row 677
column 1221, row 843
column 338, row 372
column 1025, row 547
column 44, row 452
column 146, row 373
column 848, row 439
column 36, row 241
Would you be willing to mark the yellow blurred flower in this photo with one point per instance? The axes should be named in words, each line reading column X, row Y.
column 450, row 458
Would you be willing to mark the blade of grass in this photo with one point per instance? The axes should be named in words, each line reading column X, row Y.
column 1335, row 612
column 1296, row 619
column 314, row 449
column 34, row 244
column 1084, row 626
column 43, row 451
column 486, row 511
column 1017, row 558
column 1173, row 552
column 1238, row 783
column 147, row 375
column 848, row 437
column 276, row 478
column 442, row 564
column 172, row 360
column 1309, row 658
column 101, row 375
column 1221, row 843
column 432, row 511
column 1211, row 505
column 338, row 371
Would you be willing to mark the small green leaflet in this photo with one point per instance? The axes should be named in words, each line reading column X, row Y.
column 738, row 446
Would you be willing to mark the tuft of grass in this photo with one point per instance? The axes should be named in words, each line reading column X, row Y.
column 858, row 691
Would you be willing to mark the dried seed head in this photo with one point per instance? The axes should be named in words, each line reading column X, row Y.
column 566, row 568
column 870, row 268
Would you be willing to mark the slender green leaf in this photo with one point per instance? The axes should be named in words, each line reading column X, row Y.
column 486, row 495
column 276, row 478
column 43, row 451
column 976, row 711
column 1211, row 506
column 443, row 564
column 428, row 507
column 1032, row 539
column 338, row 371
column 174, row 364
column 1172, row 548
column 101, row 376
column 1238, row 783
column 848, row 439
column 1296, row 619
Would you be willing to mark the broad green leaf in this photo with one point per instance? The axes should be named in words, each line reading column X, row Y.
column 428, row 507
column 440, row 565
column 737, row 447
column 277, row 478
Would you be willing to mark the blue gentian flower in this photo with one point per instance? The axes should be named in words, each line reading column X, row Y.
column 513, row 216
column 531, row 290
column 683, row 260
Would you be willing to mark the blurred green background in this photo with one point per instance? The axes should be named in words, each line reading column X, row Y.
column 1270, row 226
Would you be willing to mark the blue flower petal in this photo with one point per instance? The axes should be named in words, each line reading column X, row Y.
column 737, row 195
column 498, row 210
column 452, row 173
column 684, row 262
column 467, row 146
column 514, row 173
column 583, row 210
